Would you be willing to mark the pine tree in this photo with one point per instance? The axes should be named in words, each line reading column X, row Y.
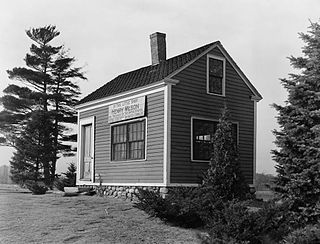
column 70, row 175
column 298, row 139
column 48, row 85
column 64, row 96
column 32, row 151
column 223, row 176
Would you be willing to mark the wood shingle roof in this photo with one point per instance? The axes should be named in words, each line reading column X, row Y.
column 146, row 75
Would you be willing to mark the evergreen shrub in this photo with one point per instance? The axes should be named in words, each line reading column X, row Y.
column 59, row 184
column 233, row 220
column 70, row 176
column 307, row 235
column 35, row 187
column 298, row 137
column 68, row 180
column 176, row 208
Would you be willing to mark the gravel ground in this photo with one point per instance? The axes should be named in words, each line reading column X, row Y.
column 52, row 218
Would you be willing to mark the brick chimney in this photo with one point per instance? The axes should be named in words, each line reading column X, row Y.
column 158, row 47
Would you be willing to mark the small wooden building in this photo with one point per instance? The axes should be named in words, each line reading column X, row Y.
column 153, row 126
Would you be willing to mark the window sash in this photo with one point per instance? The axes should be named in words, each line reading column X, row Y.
column 215, row 75
column 128, row 141
column 215, row 84
column 203, row 132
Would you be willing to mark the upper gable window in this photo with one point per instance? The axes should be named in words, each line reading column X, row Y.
column 215, row 75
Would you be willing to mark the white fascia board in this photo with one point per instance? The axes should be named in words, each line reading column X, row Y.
column 170, row 81
column 123, row 98
column 255, row 98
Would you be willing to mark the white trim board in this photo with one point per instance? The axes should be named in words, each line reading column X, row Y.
column 167, row 134
column 254, row 142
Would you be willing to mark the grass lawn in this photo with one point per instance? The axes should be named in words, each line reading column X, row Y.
column 52, row 218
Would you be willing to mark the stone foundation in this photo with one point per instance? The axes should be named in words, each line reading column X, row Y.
column 127, row 192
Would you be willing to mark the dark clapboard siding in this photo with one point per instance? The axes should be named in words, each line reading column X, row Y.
column 190, row 98
column 149, row 171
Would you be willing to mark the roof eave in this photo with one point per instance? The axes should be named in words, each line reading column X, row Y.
column 151, row 86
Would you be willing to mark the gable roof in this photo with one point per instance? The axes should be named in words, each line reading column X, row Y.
column 153, row 73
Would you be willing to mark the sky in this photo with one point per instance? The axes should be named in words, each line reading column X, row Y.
column 110, row 37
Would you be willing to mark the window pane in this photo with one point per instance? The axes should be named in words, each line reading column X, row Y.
column 87, row 140
column 215, row 85
column 202, row 151
column 136, row 150
column 119, row 133
column 119, row 151
column 203, row 131
column 215, row 67
column 136, row 140
column 136, row 131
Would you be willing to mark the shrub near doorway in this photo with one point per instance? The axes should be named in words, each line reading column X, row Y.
column 35, row 187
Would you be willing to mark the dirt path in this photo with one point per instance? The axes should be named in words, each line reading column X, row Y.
column 52, row 218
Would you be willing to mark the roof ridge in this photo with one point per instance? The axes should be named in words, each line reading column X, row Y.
column 193, row 50
column 150, row 65
column 143, row 76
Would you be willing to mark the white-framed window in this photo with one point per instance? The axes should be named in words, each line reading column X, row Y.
column 128, row 140
column 216, row 72
column 202, row 133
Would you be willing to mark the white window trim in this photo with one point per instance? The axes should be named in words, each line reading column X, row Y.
column 223, row 78
column 145, row 140
column 81, row 123
column 213, row 120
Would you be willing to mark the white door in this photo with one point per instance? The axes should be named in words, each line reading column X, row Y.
column 87, row 157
